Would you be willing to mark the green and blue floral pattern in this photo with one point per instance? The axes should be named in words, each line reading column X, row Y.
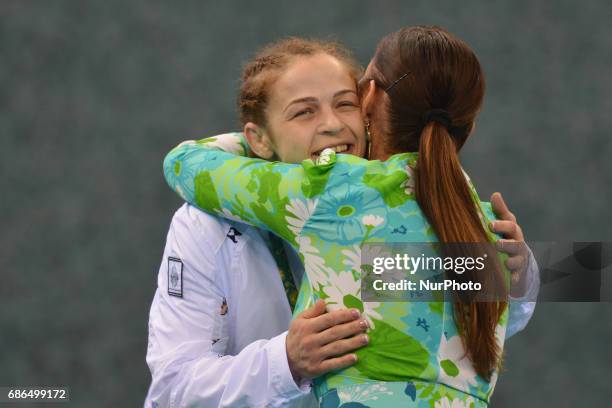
column 327, row 210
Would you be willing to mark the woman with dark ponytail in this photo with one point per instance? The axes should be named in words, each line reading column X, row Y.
column 424, row 88
column 420, row 97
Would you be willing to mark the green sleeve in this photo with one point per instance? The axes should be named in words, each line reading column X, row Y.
column 275, row 196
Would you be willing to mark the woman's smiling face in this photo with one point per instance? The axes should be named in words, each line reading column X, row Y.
column 313, row 105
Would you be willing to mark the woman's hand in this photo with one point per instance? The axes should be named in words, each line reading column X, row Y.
column 319, row 342
column 513, row 244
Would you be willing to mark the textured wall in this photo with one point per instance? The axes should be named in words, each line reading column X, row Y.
column 92, row 95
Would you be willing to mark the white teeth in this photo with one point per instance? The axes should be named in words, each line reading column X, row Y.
column 337, row 149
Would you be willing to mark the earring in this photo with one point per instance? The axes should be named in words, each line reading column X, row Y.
column 368, row 140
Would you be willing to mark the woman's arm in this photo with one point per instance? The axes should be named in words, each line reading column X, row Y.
column 188, row 335
column 276, row 196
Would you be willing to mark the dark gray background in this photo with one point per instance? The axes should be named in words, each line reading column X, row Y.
column 93, row 94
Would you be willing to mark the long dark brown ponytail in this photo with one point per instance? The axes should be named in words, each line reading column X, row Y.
column 437, row 71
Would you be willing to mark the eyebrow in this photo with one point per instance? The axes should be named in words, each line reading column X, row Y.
column 311, row 99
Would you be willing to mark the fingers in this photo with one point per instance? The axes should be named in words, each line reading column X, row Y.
column 516, row 263
column 340, row 347
column 338, row 363
column 500, row 208
column 509, row 229
column 515, row 276
column 511, row 247
column 327, row 320
column 342, row 331
column 317, row 340
column 517, row 254
column 315, row 310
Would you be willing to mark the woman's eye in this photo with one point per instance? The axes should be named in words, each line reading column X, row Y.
column 347, row 103
column 303, row 112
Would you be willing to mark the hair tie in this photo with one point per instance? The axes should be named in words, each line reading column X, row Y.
column 440, row 116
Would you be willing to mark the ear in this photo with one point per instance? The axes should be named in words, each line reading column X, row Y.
column 259, row 140
column 367, row 102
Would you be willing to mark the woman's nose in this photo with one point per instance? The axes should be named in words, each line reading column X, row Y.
column 331, row 123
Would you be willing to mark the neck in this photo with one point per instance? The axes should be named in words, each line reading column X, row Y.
column 378, row 152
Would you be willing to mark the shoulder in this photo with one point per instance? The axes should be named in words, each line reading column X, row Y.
column 210, row 230
column 361, row 169
column 330, row 170
column 206, row 246
column 372, row 177
column 190, row 223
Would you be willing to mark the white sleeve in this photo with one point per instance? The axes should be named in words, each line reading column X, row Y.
column 521, row 309
column 187, row 368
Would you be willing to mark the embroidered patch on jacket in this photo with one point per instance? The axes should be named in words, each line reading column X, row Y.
column 233, row 233
column 175, row 277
